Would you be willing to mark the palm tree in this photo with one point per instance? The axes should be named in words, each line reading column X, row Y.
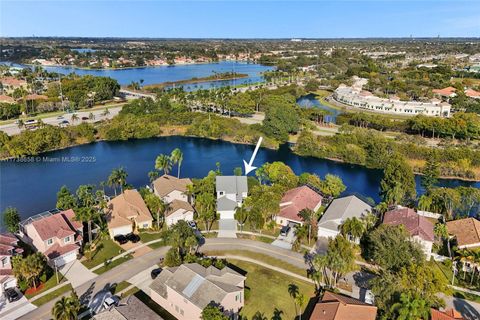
column 91, row 116
column 177, row 157
column 300, row 300
column 118, row 177
column 74, row 117
column 301, row 232
column 20, row 124
column 440, row 230
column 163, row 163
column 152, row 176
column 411, row 308
column 66, row 308
column 241, row 215
column 353, row 227
column 105, row 112
column 310, row 220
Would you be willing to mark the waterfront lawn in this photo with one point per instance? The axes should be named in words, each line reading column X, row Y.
column 105, row 249
column 268, row 291
column 52, row 295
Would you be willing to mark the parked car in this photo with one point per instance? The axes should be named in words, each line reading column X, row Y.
column 369, row 297
column 120, row 238
column 155, row 272
column 60, row 117
column 132, row 237
column 285, row 230
column 12, row 294
column 84, row 118
column 192, row 224
column 111, row 301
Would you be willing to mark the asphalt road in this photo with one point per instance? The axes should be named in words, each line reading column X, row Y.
column 95, row 287
column 12, row 128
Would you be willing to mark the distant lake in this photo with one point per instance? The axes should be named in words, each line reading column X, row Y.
column 83, row 50
column 32, row 187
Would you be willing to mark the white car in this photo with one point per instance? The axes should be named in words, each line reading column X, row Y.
column 111, row 301
column 369, row 297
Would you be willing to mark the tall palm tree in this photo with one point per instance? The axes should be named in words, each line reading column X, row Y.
column 241, row 215
column 118, row 177
column 177, row 157
column 105, row 112
column 163, row 163
column 74, row 117
column 66, row 308
column 310, row 220
column 20, row 124
column 353, row 227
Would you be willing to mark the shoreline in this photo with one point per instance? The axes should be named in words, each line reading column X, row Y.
column 162, row 85
column 176, row 133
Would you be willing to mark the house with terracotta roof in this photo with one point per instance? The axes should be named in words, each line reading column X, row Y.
column 448, row 92
column 334, row 306
column 294, row 201
column 126, row 213
column 6, row 99
column 472, row 93
column 57, row 235
column 465, row 231
column 11, row 83
column 174, row 192
column 419, row 228
column 338, row 211
column 449, row 314
column 8, row 249
column 184, row 291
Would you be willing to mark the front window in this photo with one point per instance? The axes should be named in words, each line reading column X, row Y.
column 49, row 242
column 67, row 239
column 145, row 225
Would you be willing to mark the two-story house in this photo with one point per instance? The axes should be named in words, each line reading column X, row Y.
column 231, row 191
column 419, row 228
column 174, row 192
column 56, row 234
column 186, row 290
column 126, row 213
column 8, row 249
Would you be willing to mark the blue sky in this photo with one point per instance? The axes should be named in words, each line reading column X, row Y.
column 241, row 19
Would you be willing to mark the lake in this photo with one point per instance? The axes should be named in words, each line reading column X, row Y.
column 309, row 101
column 32, row 187
column 151, row 75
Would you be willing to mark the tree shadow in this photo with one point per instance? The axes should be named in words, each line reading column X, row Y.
column 307, row 312
column 87, row 295
column 362, row 279
column 468, row 311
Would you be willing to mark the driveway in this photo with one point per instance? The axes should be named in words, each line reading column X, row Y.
column 227, row 228
column 287, row 241
column 138, row 252
column 77, row 273
column 143, row 279
column 16, row 309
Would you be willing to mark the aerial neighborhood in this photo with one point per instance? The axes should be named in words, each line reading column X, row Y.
column 193, row 161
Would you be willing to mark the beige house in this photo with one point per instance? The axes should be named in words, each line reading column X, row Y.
column 186, row 290
column 127, row 213
column 56, row 234
column 8, row 249
column 173, row 191
column 466, row 232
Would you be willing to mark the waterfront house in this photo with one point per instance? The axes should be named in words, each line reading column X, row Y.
column 231, row 191
column 338, row 211
column 294, row 201
column 170, row 188
column 419, row 228
column 130, row 308
column 126, row 213
column 8, row 249
column 186, row 290
column 6, row 99
column 335, row 306
column 11, row 83
column 466, row 232
column 174, row 192
column 54, row 233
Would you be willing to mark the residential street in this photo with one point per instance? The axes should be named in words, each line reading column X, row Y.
column 134, row 269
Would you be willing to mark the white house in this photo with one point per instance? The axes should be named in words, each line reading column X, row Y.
column 174, row 192
column 231, row 191
column 338, row 211
column 178, row 210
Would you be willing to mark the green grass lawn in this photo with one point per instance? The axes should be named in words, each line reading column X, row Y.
column 269, row 232
column 129, row 292
column 150, row 236
column 113, row 264
column 50, row 283
column 269, row 291
column 120, row 286
column 52, row 295
column 106, row 249
column 256, row 238
column 260, row 257
column 466, row 296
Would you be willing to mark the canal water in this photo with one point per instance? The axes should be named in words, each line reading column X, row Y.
column 31, row 187
column 310, row 101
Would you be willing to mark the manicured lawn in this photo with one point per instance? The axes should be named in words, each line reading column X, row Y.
column 142, row 296
column 113, row 264
column 260, row 257
column 52, row 295
column 256, row 238
column 50, row 283
column 120, row 286
column 201, row 226
column 269, row 232
column 130, row 292
column 106, row 249
column 150, row 236
column 269, row 291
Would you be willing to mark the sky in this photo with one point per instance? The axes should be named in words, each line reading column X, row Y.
column 241, row 19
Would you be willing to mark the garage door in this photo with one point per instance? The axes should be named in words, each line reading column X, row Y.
column 69, row 257
column 121, row 230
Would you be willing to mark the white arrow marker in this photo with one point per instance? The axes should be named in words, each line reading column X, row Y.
column 248, row 166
